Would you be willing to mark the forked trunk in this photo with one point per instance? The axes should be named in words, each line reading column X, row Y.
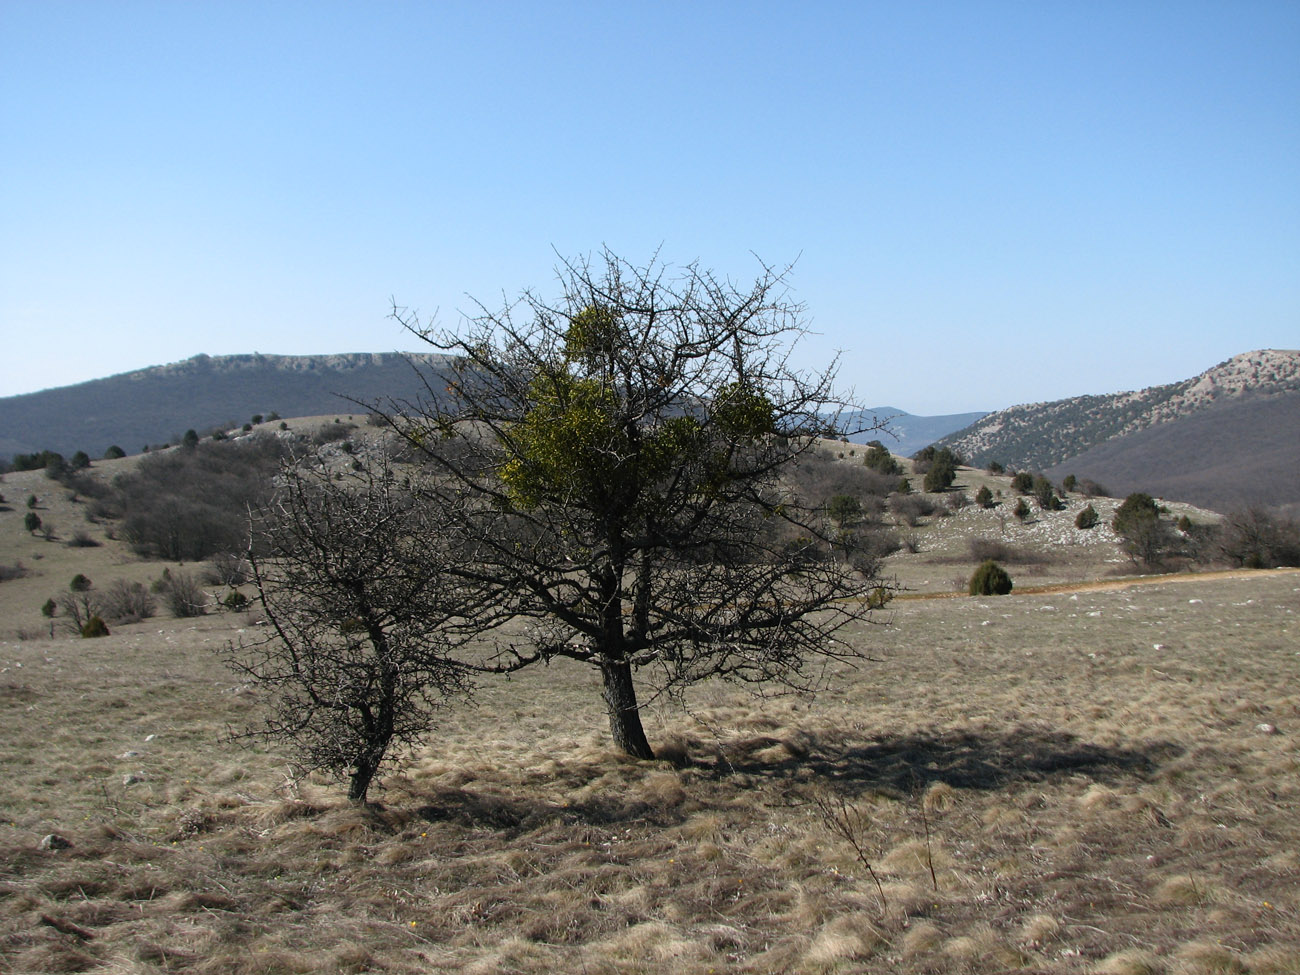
column 624, row 715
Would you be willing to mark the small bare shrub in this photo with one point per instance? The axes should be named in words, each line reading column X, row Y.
column 183, row 595
column 226, row 569
column 1259, row 539
column 332, row 432
column 850, row 825
column 127, row 601
column 15, row 571
column 983, row 549
column 1090, row 488
column 877, row 543
column 909, row 509
column 82, row 539
column 78, row 607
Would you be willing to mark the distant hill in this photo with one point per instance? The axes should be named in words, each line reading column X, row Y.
column 1229, row 455
column 905, row 434
column 1228, row 436
column 158, row 404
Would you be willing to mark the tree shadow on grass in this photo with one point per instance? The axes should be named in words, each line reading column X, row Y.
column 518, row 814
column 897, row 765
column 962, row 760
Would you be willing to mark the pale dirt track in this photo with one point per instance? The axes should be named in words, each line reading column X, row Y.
column 1102, row 585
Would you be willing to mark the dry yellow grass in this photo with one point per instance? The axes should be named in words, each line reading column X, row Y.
column 1086, row 773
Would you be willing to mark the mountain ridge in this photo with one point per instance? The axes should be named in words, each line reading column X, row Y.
column 1037, row 436
column 156, row 404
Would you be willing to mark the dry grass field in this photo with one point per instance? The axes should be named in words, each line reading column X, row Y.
column 1078, row 781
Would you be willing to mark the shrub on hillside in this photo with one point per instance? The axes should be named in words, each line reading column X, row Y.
column 80, row 583
column 1021, row 510
column 1023, row 483
column 95, row 626
column 990, row 579
column 1045, row 494
column 939, row 477
column 235, row 601
column 183, row 595
column 1090, row 488
column 186, row 505
column 1144, row 534
column 1087, row 518
column 910, row 508
column 87, row 485
column 984, row 497
column 844, row 510
column 332, row 432
column 226, row 569
column 1259, row 539
column 77, row 608
column 927, row 457
column 15, row 571
column 820, row 477
column 992, row 550
column 127, row 601
column 877, row 543
column 879, row 459
column 36, row 461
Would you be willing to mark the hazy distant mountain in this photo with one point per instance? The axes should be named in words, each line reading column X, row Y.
column 905, row 434
column 1228, row 436
column 158, row 404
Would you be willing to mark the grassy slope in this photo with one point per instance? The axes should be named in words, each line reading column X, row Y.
column 1089, row 768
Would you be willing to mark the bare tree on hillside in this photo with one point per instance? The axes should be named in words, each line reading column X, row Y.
column 363, row 620
column 610, row 466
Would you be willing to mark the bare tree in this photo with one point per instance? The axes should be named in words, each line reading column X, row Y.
column 612, row 465
column 363, row 619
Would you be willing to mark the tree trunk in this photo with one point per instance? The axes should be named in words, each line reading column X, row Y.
column 624, row 715
column 359, row 781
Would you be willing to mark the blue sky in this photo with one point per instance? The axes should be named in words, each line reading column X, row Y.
column 988, row 203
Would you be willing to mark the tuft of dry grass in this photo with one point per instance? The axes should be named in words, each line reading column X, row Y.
column 1130, row 961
